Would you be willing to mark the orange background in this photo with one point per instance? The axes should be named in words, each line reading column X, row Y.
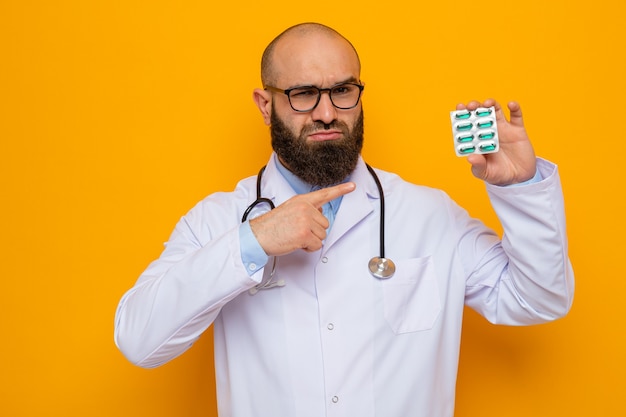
column 116, row 117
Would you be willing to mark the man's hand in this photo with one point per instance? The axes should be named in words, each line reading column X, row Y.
column 298, row 223
column 515, row 161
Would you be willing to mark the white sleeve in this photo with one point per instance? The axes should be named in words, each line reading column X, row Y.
column 528, row 278
column 180, row 294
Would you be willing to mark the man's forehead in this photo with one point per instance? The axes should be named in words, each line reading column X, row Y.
column 315, row 39
column 318, row 54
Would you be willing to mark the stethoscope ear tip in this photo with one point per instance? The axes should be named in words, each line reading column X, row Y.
column 381, row 268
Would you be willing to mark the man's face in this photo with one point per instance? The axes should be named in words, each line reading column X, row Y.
column 321, row 146
column 321, row 162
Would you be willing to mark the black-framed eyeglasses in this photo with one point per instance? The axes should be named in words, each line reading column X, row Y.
column 343, row 96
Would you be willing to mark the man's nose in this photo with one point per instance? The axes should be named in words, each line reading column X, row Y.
column 325, row 111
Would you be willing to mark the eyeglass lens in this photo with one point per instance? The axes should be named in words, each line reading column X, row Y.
column 343, row 96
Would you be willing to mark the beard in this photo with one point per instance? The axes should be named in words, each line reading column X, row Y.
column 323, row 163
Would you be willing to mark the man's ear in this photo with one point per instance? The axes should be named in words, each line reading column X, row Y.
column 263, row 100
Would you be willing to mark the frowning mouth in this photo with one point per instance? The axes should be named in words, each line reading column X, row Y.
column 324, row 135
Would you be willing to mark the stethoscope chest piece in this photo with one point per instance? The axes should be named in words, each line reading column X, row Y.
column 381, row 268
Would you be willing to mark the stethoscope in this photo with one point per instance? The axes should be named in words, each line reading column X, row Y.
column 379, row 266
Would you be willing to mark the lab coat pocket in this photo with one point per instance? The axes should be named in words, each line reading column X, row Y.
column 411, row 296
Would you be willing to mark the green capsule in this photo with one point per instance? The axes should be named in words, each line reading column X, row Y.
column 483, row 112
column 464, row 138
column 462, row 115
column 487, row 147
column 486, row 135
column 464, row 126
column 485, row 125
column 467, row 149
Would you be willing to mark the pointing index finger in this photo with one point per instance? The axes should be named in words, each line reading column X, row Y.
column 320, row 197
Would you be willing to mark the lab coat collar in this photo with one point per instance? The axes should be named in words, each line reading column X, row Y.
column 355, row 206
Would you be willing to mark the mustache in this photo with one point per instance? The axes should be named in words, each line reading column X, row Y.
column 317, row 126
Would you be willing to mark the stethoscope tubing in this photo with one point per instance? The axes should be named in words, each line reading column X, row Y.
column 381, row 233
column 259, row 199
column 379, row 266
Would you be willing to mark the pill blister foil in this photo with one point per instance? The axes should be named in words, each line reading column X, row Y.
column 475, row 131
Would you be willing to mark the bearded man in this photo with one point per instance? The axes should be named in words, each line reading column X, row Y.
column 302, row 326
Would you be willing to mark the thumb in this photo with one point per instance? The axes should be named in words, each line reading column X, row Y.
column 479, row 165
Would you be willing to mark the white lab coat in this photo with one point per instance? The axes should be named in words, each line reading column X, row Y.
column 334, row 341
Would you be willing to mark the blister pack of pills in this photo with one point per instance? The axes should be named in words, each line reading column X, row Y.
column 474, row 131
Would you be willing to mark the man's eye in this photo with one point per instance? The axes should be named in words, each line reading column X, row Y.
column 342, row 89
column 304, row 92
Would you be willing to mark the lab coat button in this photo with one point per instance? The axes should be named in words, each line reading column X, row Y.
column 330, row 326
column 335, row 399
column 324, row 259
